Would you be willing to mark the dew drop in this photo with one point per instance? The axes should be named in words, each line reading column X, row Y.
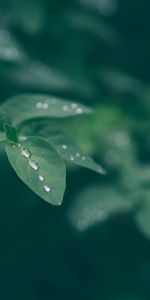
column 47, row 188
column 72, row 157
column 22, row 138
column 83, row 158
column 33, row 165
column 79, row 110
column 74, row 105
column 45, row 106
column 77, row 154
column 26, row 153
column 41, row 178
column 65, row 108
column 39, row 105
column 64, row 147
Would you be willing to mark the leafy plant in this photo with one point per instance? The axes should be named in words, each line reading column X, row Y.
column 36, row 150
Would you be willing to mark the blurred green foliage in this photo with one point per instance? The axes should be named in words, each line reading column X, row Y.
column 97, row 245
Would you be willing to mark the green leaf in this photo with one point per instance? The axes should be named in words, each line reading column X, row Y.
column 65, row 146
column 72, row 153
column 96, row 205
column 28, row 106
column 37, row 76
column 40, row 167
column 29, row 14
column 10, row 51
column 11, row 133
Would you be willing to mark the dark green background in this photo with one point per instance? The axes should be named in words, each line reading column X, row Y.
column 101, row 58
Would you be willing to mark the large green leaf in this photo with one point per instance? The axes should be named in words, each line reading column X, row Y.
column 39, row 166
column 28, row 106
column 64, row 144
column 97, row 204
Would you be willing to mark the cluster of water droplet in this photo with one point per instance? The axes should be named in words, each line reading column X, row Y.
column 78, row 157
column 27, row 154
column 65, row 108
column 73, row 157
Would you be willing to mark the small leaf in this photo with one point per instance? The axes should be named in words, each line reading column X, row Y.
column 28, row 106
column 11, row 133
column 71, row 152
column 96, row 205
column 40, row 167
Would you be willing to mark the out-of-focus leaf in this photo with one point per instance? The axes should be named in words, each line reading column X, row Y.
column 96, row 27
column 97, row 204
column 39, row 76
column 136, row 177
column 121, row 82
column 105, row 7
column 29, row 106
column 30, row 14
column 142, row 217
column 10, row 51
column 2, row 137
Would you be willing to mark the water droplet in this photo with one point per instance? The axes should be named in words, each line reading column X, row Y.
column 64, row 147
column 16, row 145
column 79, row 110
column 74, row 105
column 47, row 188
column 78, row 154
column 39, row 105
column 83, row 158
column 72, row 157
column 22, row 138
column 65, row 108
column 33, row 165
column 45, row 105
column 26, row 153
column 41, row 178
